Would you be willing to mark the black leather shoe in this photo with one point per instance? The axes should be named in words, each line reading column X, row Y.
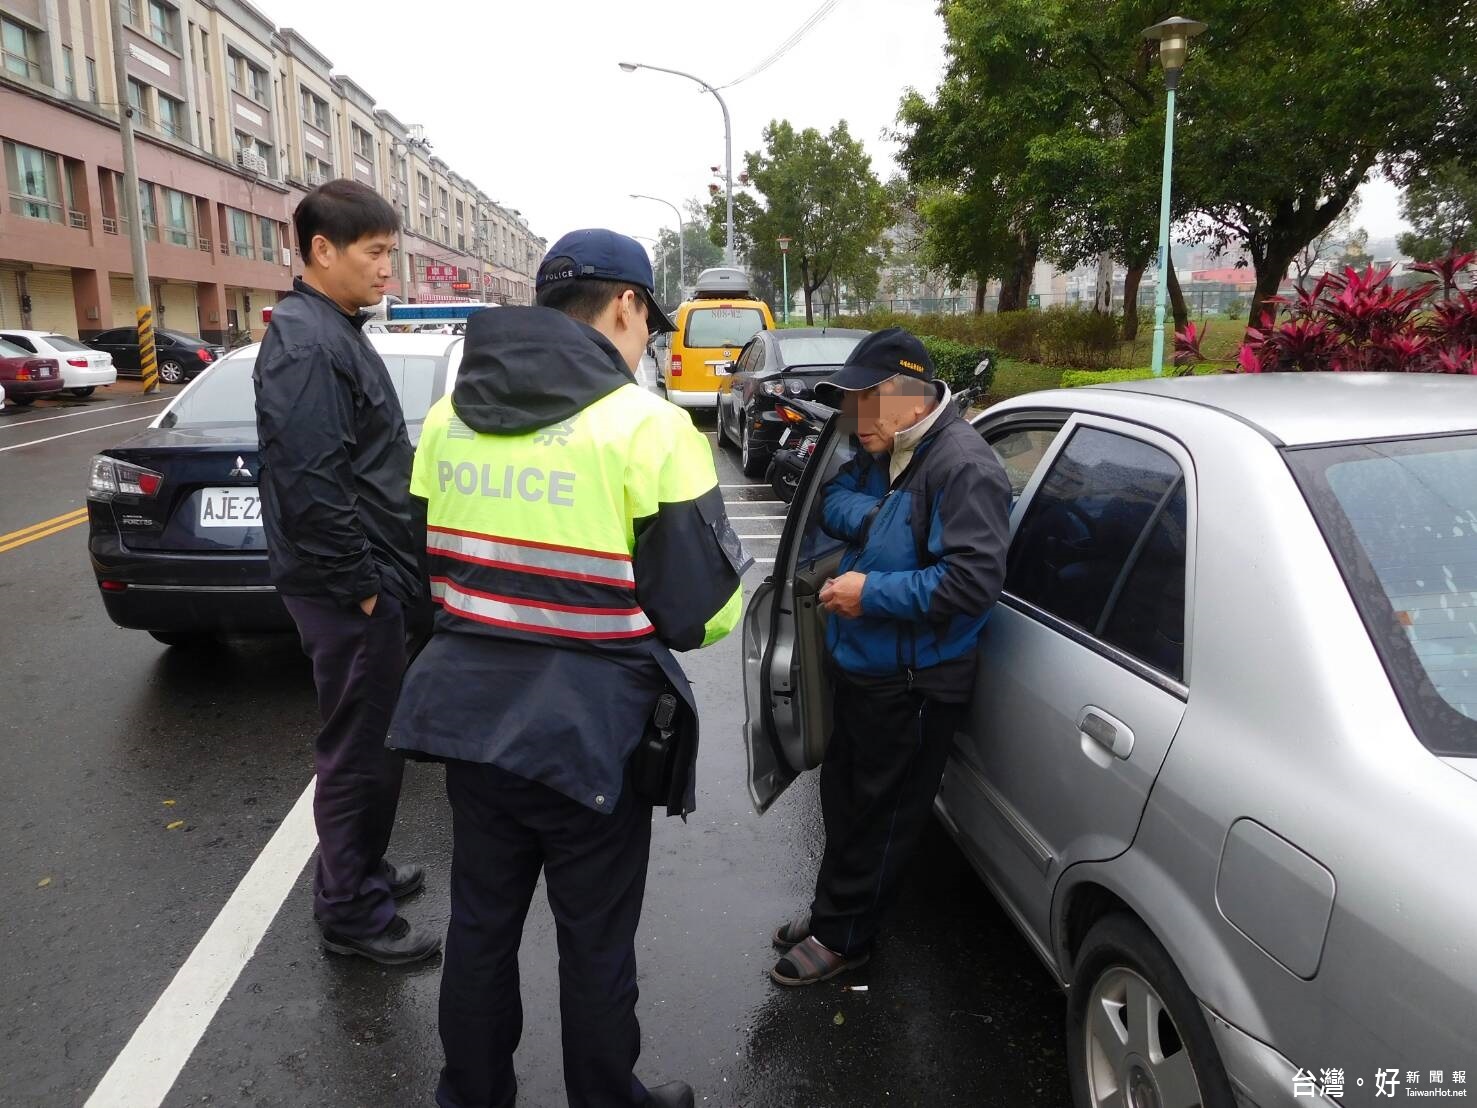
column 396, row 945
column 674, row 1094
column 405, row 880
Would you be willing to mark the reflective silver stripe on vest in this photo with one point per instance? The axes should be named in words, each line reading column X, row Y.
column 539, row 618
column 604, row 569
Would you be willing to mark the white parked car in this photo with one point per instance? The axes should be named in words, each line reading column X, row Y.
column 83, row 368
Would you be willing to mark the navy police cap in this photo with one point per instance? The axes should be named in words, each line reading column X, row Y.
column 598, row 254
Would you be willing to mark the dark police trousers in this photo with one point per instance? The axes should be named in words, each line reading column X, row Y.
column 881, row 772
column 506, row 829
column 358, row 662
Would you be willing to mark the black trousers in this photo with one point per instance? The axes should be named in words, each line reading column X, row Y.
column 505, row 830
column 878, row 781
column 358, row 662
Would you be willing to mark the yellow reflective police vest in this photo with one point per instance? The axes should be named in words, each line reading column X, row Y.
column 535, row 535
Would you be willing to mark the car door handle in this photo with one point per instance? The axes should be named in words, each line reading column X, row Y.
column 1111, row 734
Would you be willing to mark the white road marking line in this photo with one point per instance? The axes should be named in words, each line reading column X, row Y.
column 93, row 411
column 777, row 519
column 754, row 485
column 759, row 536
column 69, row 434
column 142, row 1075
column 765, row 561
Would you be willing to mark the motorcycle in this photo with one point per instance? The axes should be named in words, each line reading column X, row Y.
column 808, row 418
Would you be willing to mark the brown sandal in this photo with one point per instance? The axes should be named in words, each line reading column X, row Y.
column 788, row 934
column 808, row 962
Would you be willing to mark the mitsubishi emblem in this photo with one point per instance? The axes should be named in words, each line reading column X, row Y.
column 240, row 470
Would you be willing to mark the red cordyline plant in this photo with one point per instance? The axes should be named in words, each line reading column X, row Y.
column 1353, row 322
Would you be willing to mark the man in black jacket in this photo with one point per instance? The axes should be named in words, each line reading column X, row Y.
column 344, row 546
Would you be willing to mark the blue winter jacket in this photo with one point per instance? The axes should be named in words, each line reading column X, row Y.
column 932, row 546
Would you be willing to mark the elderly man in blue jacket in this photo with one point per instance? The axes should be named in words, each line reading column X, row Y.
column 923, row 509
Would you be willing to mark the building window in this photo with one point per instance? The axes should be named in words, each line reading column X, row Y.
column 315, row 111
column 138, row 99
column 35, row 183
column 425, row 225
column 171, row 116
column 70, row 68
column 147, row 211
column 316, row 170
column 423, row 186
column 240, row 233
column 92, row 80
column 441, row 194
column 179, row 218
column 363, row 143
column 22, row 49
column 268, row 231
column 163, row 24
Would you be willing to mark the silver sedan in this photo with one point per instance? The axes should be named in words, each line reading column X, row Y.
column 1221, row 766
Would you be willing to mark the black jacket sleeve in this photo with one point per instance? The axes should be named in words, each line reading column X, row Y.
column 305, row 422
column 687, row 563
column 970, row 537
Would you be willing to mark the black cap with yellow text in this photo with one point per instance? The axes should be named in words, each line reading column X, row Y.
column 879, row 357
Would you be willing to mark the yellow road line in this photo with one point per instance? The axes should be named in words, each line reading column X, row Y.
column 41, row 530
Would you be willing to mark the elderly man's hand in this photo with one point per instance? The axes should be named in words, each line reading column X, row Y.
column 842, row 595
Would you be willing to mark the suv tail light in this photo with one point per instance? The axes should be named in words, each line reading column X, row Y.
column 676, row 370
column 80, row 363
column 109, row 478
column 205, row 355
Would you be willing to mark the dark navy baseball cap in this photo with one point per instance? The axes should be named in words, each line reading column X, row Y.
column 879, row 357
column 598, row 254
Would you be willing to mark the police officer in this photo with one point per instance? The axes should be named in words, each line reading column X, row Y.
column 576, row 536
column 923, row 509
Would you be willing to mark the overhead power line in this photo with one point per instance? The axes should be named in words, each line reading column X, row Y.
column 789, row 44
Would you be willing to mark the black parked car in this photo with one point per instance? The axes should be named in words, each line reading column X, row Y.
column 175, row 528
column 786, row 362
column 179, row 356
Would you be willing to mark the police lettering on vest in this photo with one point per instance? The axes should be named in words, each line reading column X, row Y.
column 505, row 482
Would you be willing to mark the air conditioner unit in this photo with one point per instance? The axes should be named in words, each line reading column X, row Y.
column 250, row 159
column 286, row 256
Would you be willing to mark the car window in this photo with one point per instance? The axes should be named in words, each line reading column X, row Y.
column 21, row 341
column 816, row 349
column 61, row 342
column 722, row 326
column 756, row 358
column 1401, row 519
column 1020, row 451
column 114, row 338
column 224, row 394
column 1078, row 553
column 11, row 350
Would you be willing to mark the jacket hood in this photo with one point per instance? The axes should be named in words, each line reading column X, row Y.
column 525, row 368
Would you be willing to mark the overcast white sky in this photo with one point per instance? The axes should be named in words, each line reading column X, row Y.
column 524, row 97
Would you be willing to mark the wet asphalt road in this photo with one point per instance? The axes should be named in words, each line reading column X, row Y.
column 100, row 727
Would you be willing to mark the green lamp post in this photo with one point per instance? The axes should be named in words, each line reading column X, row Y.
column 784, row 241
column 1173, row 36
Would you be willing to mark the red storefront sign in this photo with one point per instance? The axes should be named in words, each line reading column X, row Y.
column 438, row 274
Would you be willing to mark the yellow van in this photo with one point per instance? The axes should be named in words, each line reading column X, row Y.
column 712, row 328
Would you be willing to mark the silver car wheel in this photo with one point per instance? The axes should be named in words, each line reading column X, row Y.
column 171, row 372
column 1136, row 1056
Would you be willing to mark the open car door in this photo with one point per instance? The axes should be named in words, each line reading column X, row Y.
column 787, row 694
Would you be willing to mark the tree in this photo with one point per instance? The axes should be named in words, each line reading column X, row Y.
column 702, row 253
column 1324, row 246
column 1355, row 253
column 1440, row 203
column 820, row 191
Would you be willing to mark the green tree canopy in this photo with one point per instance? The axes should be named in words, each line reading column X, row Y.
column 820, row 191
column 1441, row 205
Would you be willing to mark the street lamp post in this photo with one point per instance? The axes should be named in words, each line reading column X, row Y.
column 681, row 243
column 784, row 241
column 631, row 67
column 1173, row 36
column 661, row 255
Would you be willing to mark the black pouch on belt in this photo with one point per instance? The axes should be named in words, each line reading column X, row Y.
column 652, row 763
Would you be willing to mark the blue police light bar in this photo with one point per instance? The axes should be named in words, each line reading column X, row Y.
column 432, row 313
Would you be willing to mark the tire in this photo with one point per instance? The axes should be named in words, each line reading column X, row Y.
column 88, row 391
column 182, row 638
column 23, row 401
column 752, row 461
column 171, row 372
column 725, row 440
column 1122, row 966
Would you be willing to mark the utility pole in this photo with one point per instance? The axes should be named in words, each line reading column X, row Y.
column 143, row 304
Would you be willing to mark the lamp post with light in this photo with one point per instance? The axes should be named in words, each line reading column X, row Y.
column 631, row 67
column 1173, row 36
column 681, row 244
column 784, row 243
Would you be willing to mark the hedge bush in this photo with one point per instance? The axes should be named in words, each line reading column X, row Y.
column 955, row 362
column 1056, row 336
column 1081, row 378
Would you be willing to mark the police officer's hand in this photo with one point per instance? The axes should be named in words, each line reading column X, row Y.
column 842, row 595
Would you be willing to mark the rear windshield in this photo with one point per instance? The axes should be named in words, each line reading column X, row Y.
column 10, row 350
column 1401, row 518
column 61, row 342
column 826, row 350
column 224, row 393
column 722, row 326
